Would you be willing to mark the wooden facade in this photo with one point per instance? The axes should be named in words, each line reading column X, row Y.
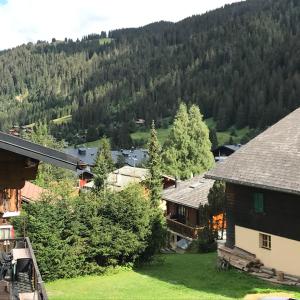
column 280, row 216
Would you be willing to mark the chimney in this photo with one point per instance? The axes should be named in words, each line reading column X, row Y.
column 177, row 182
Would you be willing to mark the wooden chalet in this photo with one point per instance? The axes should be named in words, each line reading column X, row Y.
column 183, row 204
column 19, row 159
column 263, row 198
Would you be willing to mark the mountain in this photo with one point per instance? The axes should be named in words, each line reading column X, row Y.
column 239, row 63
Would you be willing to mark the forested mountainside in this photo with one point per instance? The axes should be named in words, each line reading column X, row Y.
column 240, row 64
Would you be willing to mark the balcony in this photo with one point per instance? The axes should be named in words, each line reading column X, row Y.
column 19, row 273
column 183, row 229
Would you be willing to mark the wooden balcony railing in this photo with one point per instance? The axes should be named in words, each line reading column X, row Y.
column 7, row 245
column 183, row 229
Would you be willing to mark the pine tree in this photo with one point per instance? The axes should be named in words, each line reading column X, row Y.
column 188, row 148
column 200, row 156
column 158, row 223
column 103, row 166
column 175, row 152
column 213, row 138
column 155, row 170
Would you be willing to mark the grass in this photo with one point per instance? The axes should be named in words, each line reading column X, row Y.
column 223, row 136
column 104, row 41
column 179, row 276
column 162, row 134
column 62, row 120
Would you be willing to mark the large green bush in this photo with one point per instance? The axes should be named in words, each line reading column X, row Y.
column 86, row 234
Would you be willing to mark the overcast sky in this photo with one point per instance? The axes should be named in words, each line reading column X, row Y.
column 23, row 21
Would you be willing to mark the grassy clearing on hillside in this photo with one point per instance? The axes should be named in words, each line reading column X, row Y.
column 162, row 134
column 223, row 136
column 185, row 276
column 62, row 120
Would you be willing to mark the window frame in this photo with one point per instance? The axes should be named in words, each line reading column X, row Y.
column 265, row 241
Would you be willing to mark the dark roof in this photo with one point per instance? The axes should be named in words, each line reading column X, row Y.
column 133, row 157
column 191, row 193
column 269, row 161
column 87, row 155
column 38, row 152
column 230, row 148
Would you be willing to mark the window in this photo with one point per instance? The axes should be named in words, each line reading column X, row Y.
column 258, row 202
column 265, row 241
column 181, row 210
column 181, row 214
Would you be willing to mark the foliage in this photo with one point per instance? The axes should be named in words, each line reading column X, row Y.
column 49, row 176
column 187, row 150
column 216, row 205
column 182, row 276
column 104, row 164
column 155, row 168
column 88, row 233
column 154, row 183
column 239, row 64
column 213, row 138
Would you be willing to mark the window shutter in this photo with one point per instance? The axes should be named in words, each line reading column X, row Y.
column 258, row 202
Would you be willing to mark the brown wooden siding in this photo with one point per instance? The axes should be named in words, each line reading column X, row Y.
column 191, row 214
column 281, row 214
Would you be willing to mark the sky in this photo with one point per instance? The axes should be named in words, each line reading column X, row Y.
column 23, row 21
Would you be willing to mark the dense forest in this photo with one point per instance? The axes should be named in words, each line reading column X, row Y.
column 239, row 63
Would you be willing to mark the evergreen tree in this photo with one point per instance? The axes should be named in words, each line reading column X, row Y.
column 103, row 165
column 188, row 148
column 201, row 158
column 175, row 152
column 216, row 203
column 155, row 168
column 158, row 223
column 213, row 138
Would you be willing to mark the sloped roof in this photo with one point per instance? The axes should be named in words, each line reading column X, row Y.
column 269, row 161
column 38, row 152
column 31, row 192
column 132, row 172
column 191, row 193
column 87, row 155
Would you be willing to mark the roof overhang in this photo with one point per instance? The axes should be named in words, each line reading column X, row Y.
column 39, row 153
column 252, row 184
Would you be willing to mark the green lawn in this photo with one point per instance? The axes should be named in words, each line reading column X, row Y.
column 179, row 276
column 162, row 134
column 62, row 120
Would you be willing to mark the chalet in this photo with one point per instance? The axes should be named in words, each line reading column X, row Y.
column 263, row 196
column 121, row 178
column 19, row 159
column 183, row 205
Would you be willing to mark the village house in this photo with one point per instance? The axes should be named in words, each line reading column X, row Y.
column 184, row 202
column 263, row 197
column 19, row 162
column 119, row 179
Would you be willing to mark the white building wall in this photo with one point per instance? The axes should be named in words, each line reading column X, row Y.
column 283, row 256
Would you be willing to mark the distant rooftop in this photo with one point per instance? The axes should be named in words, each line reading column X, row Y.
column 87, row 155
column 132, row 157
column 121, row 178
column 31, row 192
